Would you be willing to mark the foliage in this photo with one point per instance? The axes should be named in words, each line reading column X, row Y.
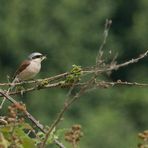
column 144, row 137
column 74, row 75
column 15, row 132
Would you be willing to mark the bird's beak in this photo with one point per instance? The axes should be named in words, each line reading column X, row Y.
column 44, row 57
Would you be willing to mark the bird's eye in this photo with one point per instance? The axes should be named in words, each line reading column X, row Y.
column 37, row 56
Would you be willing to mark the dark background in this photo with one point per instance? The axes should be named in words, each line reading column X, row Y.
column 70, row 32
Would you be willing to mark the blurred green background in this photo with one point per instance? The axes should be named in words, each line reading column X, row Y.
column 70, row 32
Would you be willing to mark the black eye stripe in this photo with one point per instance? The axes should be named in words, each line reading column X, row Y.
column 37, row 56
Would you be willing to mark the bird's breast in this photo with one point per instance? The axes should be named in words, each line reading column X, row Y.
column 31, row 70
column 34, row 67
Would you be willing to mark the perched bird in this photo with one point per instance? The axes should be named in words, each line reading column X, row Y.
column 27, row 70
column 30, row 67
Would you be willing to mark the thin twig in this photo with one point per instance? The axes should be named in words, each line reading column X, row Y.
column 75, row 85
column 117, row 66
column 119, row 82
column 9, row 89
column 53, row 85
column 49, row 79
column 59, row 144
column 106, row 31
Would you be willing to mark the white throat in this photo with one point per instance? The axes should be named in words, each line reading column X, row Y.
column 35, row 64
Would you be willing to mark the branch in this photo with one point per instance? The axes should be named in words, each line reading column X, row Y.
column 106, row 31
column 29, row 116
column 49, row 79
column 119, row 82
column 58, row 143
column 130, row 61
column 67, row 104
column 53, row 85
column 58, row 85
column 117, row 66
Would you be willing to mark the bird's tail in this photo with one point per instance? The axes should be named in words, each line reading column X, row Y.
column 12, row 84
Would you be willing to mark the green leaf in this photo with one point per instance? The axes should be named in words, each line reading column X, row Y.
column 60, row 132
column 28, row 142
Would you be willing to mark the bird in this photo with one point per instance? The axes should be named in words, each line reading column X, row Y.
column 30, row 67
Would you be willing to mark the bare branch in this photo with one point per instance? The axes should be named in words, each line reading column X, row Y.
column 100, row 53
column 49, row 79
column 119, row 82
column 53, row 85
column 59, row 144
column 117, row 66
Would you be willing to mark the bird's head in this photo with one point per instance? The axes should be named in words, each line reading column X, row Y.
column 36, row 56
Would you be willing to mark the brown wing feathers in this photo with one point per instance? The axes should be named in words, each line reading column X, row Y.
column 22, row 67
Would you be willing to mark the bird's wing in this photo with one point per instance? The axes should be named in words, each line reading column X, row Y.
column 22, row 67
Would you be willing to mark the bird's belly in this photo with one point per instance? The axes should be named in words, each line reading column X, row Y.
column 29, row 72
